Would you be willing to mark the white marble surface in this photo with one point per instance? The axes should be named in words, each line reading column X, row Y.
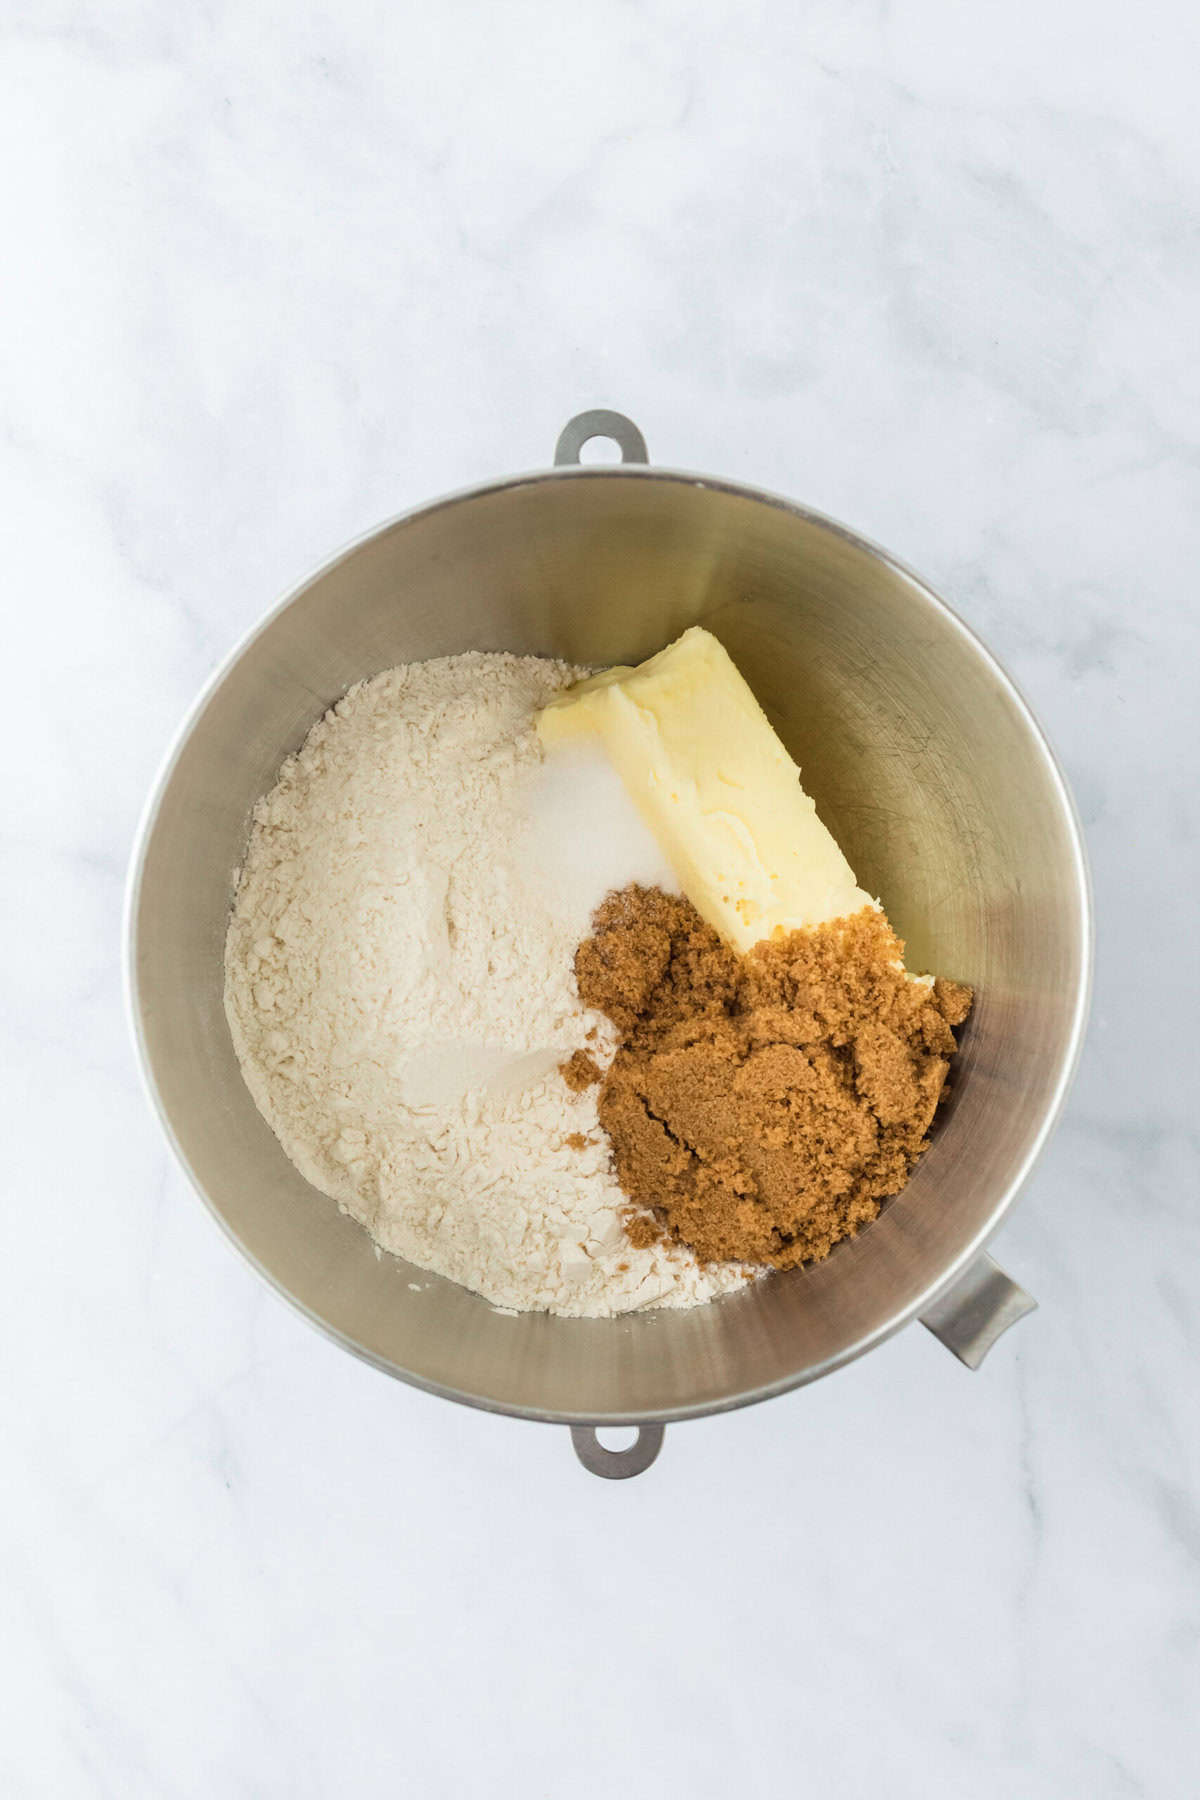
column 273, row 272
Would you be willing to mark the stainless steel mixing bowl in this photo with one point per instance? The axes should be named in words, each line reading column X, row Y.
column 923, row 760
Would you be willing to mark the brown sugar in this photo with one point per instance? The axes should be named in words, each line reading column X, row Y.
column 580, row 1071
column 761, row 1107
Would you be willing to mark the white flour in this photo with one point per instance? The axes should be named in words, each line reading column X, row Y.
column 398, row 982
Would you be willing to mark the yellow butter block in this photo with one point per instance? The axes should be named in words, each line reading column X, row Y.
column 706, row 771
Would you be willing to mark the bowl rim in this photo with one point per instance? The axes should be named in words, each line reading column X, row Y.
column 1056, row 1100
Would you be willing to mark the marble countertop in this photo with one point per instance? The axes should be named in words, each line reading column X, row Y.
column 276, row 272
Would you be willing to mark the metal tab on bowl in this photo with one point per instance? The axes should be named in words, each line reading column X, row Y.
column 616, row 1465
column 979, row 1308
column 600, row 423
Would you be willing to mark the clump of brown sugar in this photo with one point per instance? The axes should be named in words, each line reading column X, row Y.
column 761, row 1107
column 580, row 1071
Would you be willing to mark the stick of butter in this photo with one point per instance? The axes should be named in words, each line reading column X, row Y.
column 702, row 764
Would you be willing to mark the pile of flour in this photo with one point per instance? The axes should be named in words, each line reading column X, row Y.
column 399, row 984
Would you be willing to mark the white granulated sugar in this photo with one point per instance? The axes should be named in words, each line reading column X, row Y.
column 399, row 984
column 584, row 836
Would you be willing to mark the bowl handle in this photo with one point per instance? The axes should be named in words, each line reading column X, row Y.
column 980, row 1306
column 616, row 1465
column 599, row 423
